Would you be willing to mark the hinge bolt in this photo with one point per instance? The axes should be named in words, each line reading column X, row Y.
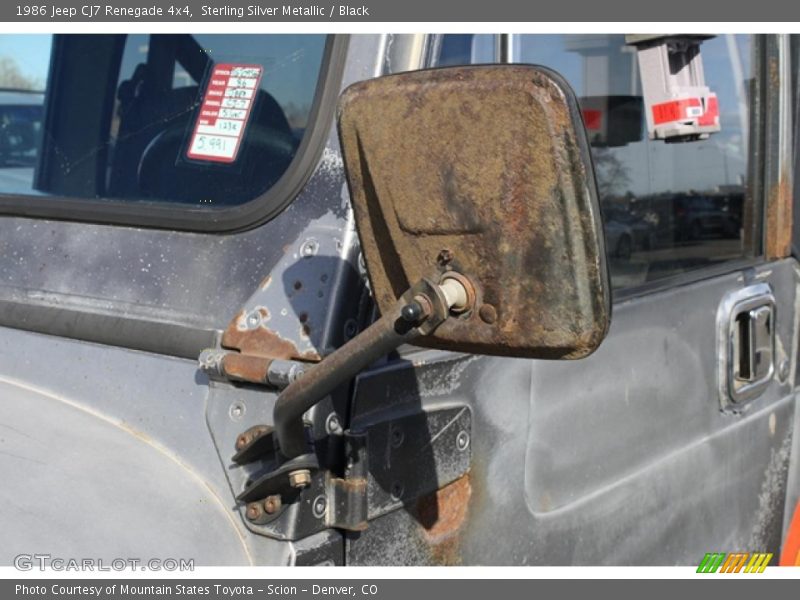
column 300, row 479
column 254, row 511
column 272, row 504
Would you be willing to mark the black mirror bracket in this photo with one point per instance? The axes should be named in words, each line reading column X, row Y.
column 418, row 312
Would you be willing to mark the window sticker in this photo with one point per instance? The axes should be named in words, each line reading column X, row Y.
column 224, row 114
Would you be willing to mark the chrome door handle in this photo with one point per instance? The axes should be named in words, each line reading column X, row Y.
column 746, row 323
column 753, row 344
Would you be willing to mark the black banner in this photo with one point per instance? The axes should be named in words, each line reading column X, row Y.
column 393, row 589
column 406, row 11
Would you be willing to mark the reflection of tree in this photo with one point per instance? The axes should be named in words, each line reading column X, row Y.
column 12, row 77
column 612, row 175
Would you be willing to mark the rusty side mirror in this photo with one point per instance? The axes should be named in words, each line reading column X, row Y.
column 476, row 205
column 481, row 174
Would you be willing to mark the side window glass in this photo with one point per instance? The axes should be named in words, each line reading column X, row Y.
column 211, row 120
column 465, row 49
column 24, row 65
column 668, row 207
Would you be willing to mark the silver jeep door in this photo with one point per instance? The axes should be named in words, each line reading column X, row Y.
column 674, row 439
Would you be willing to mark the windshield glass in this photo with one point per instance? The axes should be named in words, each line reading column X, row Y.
column 210, row 120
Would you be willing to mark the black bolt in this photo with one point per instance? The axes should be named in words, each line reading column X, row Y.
column 411, row 312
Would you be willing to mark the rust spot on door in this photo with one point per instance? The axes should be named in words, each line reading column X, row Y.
column 779, row 220
column 442, row 516
column 261, row 341
column 244, row 367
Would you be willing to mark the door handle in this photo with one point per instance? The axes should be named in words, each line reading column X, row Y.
column 746, row 322
column 753, row 344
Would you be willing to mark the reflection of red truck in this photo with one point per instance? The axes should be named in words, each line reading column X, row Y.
column 612, row 121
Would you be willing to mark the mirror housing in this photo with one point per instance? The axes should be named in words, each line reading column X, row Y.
column 476, row 205
column 481, row 173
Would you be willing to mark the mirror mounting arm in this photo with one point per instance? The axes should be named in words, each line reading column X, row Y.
column 420, row 310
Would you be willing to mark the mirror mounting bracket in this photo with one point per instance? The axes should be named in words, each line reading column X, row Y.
column 418, row 312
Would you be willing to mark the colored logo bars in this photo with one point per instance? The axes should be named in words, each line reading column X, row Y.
column 735, row 562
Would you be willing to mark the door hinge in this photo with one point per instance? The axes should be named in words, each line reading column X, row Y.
column 226, row 365
column 389, row 462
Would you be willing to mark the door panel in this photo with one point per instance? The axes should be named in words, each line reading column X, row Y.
column 622, row 458
column 629, row 456
column 651, row 389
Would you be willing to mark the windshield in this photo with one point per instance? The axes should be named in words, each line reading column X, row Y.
column 208, row 120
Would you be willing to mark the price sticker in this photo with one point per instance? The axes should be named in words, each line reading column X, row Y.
column 225, row 112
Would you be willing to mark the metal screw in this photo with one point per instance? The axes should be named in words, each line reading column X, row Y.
column 300, row 479
column 253, row 319
column 462, row 440
column 236, row 411
column 319, row 506
column 332, row 424
column 309, row 248
column 397, row 437
column 397, row 490
column 272, row 504
column 350, row 328
column 254, row 511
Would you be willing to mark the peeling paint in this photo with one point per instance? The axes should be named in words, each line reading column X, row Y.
column 260, row 341
column 771, row 496
column 331, row 163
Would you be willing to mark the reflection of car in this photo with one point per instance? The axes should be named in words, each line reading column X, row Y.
column 699, row 216
column 20, row 129
column 731, row 206
column 619, row 238
column 641, row 231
